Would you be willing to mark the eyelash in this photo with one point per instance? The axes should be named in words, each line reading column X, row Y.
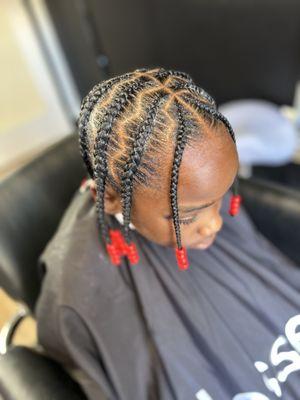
column 188, row 221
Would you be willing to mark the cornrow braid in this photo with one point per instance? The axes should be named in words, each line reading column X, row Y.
column 110, row 134
column 212, row 111
column 87, row 106
column 117, row 106
column 235, row 199
column 96, row 95
column 195, row 89
column 134, row 160
column 162, row 74
column 181, row 140
column 181, row 74
column 181, row 253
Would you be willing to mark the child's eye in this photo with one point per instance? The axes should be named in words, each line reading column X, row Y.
column 188, row 221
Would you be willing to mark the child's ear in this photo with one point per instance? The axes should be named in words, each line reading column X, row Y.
column 112, row 200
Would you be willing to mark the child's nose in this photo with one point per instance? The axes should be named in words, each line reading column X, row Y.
column 212, row 227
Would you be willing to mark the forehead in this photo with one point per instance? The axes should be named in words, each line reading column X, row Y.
column 207, row 171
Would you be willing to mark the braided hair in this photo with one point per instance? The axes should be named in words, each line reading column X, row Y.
column 126, row 120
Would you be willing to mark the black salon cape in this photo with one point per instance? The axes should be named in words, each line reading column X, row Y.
column 227, row 328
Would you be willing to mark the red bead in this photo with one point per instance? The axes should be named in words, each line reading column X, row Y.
column 132, row 253
column 235, row 202
column 118, row 240
column 182, row 259
column 121, row 243
column 113, row 253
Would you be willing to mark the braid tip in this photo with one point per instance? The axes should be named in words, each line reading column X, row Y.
column 235, row 202
column 118, row 248
column 132, row 253
column 113, row 253
column 118, row 240
column 182, row 258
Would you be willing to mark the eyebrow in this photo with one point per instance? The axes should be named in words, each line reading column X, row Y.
column 187, row 210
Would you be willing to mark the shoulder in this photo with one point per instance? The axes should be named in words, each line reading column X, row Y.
column 77, row 269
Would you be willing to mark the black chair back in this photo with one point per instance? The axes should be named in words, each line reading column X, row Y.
column 32, row 202
column 235, row 49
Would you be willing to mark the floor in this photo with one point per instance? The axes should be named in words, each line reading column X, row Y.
column 26, row 332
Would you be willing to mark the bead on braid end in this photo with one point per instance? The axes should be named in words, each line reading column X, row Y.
column 132, row 253
column 118, row 240
column 114, row 254
column 182, row 258
column 235, row 202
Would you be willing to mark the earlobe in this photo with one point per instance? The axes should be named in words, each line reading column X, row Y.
column 112, row 201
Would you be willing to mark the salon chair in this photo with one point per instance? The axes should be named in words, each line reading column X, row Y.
column 32, row 201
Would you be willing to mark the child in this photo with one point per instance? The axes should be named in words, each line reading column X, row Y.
column 152, row 290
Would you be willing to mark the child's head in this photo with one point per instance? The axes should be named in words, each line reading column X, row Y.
column 160, row 153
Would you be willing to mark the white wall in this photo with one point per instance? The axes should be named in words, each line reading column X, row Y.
column 33, row 114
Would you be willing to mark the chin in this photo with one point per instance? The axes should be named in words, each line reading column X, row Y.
column 205, row 244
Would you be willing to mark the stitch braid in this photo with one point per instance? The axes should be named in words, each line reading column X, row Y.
column 113, row 111
column 134, row 160
column 180, row 145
